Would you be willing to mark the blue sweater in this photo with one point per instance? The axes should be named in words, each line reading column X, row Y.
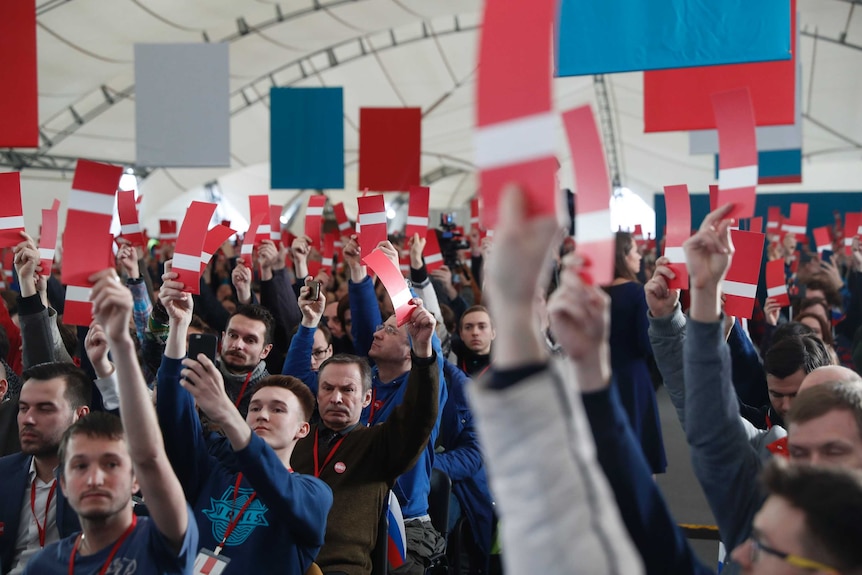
column 298, row 360
column 281, row 530
column 413, row 487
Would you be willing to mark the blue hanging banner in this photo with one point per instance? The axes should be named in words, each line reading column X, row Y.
column 602, row 37
column 776, row 167
column 306, row 136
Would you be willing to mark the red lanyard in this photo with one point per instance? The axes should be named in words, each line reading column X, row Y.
column 318, row 469
column 373, row 407
column 113, row 552
column 44, row 527
column 242, row 389
column 481, row 373
column 232, row 525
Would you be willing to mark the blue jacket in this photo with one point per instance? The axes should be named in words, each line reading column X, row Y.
column 413, row 487
column 281, row 530
column 297, row 362
column 462, row 459
column 15, row 472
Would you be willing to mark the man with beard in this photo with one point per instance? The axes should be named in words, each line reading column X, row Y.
column 33, row 511
column 245, row 343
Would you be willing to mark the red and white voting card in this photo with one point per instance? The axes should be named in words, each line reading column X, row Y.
column 275, row 223
column 417, row 212
column 797, row 222
column 247, row 250
column 326, row 262
column 740, row 285
column 168, row 231
column 48, row 240
column 87, row 240
column 372, row 222
column 130, row 227
column 394, row 283
column 259, row 206
column 737, row 144
column 214, row 240
column 344, row 227
column 432, row 255
column 594, row 239
column 755, row 225
column 822, row 239
column 474, row 214
column 314, row 218
column 11, row 212
column 852, row 222
column 713, row 197
column 774, row 221
column 678, row 207
column 776, row 283
column 404, row 263
column 516, row 127
column 190, row 245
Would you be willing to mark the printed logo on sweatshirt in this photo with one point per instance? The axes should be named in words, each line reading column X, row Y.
column 223, row 511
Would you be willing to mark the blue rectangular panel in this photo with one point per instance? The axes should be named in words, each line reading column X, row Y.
column 306, row 138
column 605, row 36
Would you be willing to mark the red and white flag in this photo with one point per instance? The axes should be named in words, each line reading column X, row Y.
column 130, row 227
column 776, row 283
column 326, row 262
column 797, row 222
column 247, row 250
column 822, row 239
column 344, row 227
column 372, row 222
column 737, row 141
column 314, row 218
column 432, row 255
column 516, row 126
column 259, row 206
column 740, row 285
column 774, row 221
column 275, row 223
column 48, row 240
column 190, row 245
column 216, row 237
column 417, row 212
column 678, row 208
column 11, row 212
column 394, row 283
column 168, row 231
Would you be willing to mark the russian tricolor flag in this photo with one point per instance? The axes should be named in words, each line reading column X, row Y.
column 397, row 548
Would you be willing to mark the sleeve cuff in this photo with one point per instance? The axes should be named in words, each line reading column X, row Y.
column 30, row 305
column 502, row 379
column 108, row 388
column 423, row 361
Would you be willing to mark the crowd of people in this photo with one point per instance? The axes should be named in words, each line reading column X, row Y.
column 282, row 449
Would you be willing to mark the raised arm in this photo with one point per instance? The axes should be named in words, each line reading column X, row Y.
column 298, row 360
column 278, row 297
column 364, row 309
column 112, row 308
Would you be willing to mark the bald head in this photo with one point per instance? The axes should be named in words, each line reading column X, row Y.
column 829, row 373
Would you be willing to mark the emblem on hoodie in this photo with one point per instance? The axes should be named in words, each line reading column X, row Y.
column 223, row 511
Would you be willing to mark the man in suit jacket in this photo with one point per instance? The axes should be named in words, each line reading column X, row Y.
column 33, row 512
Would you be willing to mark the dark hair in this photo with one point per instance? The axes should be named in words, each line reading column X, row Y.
column 327, row 335
column 4, row 343
column 448, row 317
column 624, row 243
column 790, row 329
column 809, row 302
column 10, row 298
column 819, row 400
column 833, row 298
column 831, row 500
column 474, row 309
column 257, row 313
column 825, row 328
column 349, row 359
column 792, row 353
column 98, row 424
column 200, row 325
column 341, row 311
column 294, row 386
column 79, row 387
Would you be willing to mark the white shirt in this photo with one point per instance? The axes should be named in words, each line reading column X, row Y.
column 27, row 543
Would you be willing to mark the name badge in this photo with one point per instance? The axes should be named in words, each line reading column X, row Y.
column 209, row 563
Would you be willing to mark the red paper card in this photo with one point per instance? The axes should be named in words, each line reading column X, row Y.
column 344, row 227
column 259, row 206
column 11, row 212
column 417, row 212
column 314, row 218
column 48, row 240
column 432, row 255
column 404, row 263
column 390, row 143
column 740, row 285
column 394, row 283
column 19, row 110
column 776, row 283
column 168, row 231
column 678, row 99
column 774, row 221
column 822, row 239
column 852, row 222
column 247, row 249
column 78, row 310
column 130, row 228
column 328, row 252
column 275, row 223
column 372, row 222
column 474, row 214
column 737, row 170
column 755, row 225
column 797, row 222
column 678, row 207
column 190, row 245
column 515, row 140
column 214, row 240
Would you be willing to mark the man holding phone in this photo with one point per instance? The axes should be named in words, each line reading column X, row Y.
column 254, row 513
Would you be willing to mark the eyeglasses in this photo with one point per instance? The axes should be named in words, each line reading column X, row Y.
column 320, row 353
column 795, row 560
column 388, row 328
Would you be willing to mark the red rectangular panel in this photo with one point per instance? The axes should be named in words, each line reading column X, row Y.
column 19, row 98
column 390, row 145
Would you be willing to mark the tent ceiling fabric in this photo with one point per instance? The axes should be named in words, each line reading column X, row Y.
column 384, row 53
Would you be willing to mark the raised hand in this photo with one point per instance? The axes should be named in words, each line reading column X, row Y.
column 771, row 309
column 112, row 305
column 96, row 346
column 241, row 279
column 416, row 245
column 312, row 310
column 353, row 258
column 708, row 252
column 202, row 379
column 421, row 328
column 27, row 265
column 177, row 303
column 127, row 259
column 267, row 259
column 390, row 251
column 660, row 299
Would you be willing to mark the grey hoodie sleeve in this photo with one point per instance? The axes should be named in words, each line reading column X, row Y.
column 667, row 336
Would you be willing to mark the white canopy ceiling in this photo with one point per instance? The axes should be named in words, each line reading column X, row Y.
column 417, row 53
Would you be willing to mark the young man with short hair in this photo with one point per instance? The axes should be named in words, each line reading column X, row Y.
column 103, row 462
column 473, row 346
